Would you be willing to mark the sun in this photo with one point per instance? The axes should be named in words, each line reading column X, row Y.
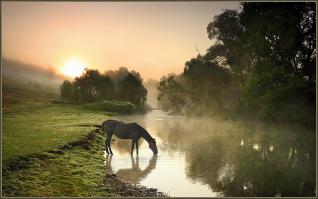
column 73, row 68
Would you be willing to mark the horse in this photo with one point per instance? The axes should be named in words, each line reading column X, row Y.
column 131, row 131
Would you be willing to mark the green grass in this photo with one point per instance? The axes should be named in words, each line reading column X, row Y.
column 38, row 129
column 75, row 172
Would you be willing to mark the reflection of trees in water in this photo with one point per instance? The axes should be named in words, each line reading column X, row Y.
column 134, row 174
column 258, row 161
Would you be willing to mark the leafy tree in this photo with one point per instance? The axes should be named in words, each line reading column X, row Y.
column 87, row 85
column 262, row 64
column 228, row 32
column 171, row 96
column 105, row 88
column 66, row 89
column 281, row 76
column 131, row 89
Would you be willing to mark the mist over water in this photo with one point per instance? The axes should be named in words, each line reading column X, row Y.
column 214, row 157
column 152, row 92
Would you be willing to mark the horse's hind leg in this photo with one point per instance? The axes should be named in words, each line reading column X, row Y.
column 107, row 143
column 110, row 149
column 108, row 140
column 106, row 146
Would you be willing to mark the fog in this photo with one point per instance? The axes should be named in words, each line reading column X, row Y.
column 33, row 75
column 213, row 156
column 217, row 157
column 152, row 92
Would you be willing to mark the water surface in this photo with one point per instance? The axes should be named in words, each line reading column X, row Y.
column 210, row 157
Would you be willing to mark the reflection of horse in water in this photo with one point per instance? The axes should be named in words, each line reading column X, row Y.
column 133, row 174
column 127, row 131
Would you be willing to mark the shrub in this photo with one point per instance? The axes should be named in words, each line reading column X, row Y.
column 122, row 107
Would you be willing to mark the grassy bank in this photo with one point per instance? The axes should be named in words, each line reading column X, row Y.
column 45, row 127
column 76, row 169
column 36, row 158
column 73, row 170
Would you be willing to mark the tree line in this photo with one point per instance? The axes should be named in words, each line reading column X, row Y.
column 93, row 86
column 262, row 65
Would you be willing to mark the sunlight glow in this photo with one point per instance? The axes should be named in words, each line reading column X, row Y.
column 73, row 68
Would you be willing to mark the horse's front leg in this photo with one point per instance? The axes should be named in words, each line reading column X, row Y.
column 137, row 147
column 132, row 146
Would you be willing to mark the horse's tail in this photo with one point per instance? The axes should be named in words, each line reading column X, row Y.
column 108, row 124
column 98, row 127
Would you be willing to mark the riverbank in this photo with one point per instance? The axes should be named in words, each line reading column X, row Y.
column 73, row 170
column 52, row 150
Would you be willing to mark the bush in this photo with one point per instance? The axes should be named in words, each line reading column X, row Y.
column 123, row 107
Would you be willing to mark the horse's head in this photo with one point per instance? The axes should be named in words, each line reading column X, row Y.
column 153, row 146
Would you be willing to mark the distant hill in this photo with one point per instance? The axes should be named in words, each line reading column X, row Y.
column 26, row 83
column 24, row 72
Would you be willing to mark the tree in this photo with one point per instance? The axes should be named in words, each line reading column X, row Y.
column 228, row 32
column 282, row 43
column 271, row 47
column 264, row 58
column 86, row 84
column 66, row 89
column 171, row 96
column 105, row 88
column 131, row 89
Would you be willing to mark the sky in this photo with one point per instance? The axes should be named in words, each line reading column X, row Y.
column 152, row 38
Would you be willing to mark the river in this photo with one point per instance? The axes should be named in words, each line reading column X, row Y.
column 207, row 157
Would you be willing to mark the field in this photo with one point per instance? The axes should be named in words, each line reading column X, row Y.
column 32, row 126
column 52, row 149
column 32, row 130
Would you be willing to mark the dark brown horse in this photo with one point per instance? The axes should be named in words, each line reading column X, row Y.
column 127, row 131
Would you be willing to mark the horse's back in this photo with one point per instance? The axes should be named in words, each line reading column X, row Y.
column 109, row 126
column 135, row 126
column 128, row 131
column 122, row 130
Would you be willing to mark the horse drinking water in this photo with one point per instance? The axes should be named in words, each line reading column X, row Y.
column 127, row 131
